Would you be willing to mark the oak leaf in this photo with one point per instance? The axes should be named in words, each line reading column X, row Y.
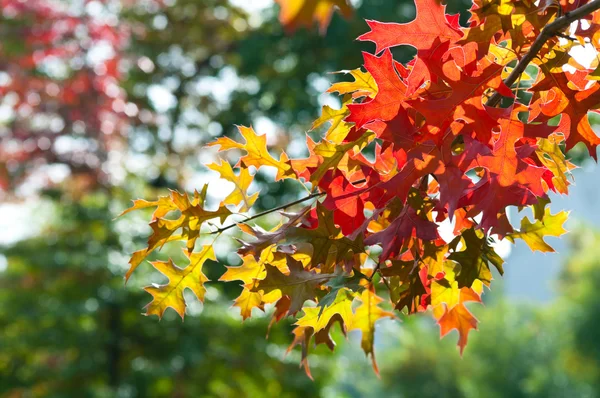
column 533, row 233
column 319, row 317
column 241, row 183
column 299, row 285
column 459, row 317
column 257, row 154
column 363, row 85
column 429, row 25
column 297, row 13
column 365, row 318
column 191, row 277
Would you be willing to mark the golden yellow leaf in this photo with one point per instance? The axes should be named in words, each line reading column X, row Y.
column 163, row 205
column 257, row 153
column 445, row 290
column 318, row 317
column 190, row 221
column 190, row 277
column 297, row 13
column 332, row 155
column 363, row 85
column 242, row 183
column 551, row 156
column 364, row 319
column 248, row 300
column 339, row 129
column 533, row 234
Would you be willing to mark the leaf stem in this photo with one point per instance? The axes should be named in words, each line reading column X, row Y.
column 550, row 30
column 385, row 281
column 375, row 270
column 264, row 213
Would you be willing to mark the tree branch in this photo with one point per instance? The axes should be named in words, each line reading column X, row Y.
column 264, row 213
column 549, row 31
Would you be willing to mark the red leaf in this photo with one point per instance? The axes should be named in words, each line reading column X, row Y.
column 429, row 25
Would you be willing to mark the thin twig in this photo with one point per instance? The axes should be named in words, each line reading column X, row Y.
column 264, row 213
column 564, row 36
column 384, row 280
column 549, row 31
column 375, row 270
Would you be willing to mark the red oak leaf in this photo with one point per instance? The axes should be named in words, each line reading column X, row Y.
column 430, row 24
column 397, row 235
column 391, row 92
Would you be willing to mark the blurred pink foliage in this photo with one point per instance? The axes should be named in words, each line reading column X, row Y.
column 61, row 72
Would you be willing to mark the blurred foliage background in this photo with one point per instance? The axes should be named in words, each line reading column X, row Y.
column 104, row 101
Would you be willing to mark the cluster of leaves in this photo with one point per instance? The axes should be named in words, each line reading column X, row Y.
column 479, row 121
column 72, row 73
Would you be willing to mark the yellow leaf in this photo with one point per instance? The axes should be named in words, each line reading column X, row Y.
column 318, row 318
column 257, row 153
column 553, row 158
column 139, row 256
column 190, row 221
column 363, row 85
column 242, row 183
column 252, row 270
column 248, row 300
column 364, row 320
column 338, row 129
column 192, row 216
column 163, row 205
column 296, row 13
column 533, row 234
column 190, row 277
column 332, row 154
column 446, row 290
column 503, row 55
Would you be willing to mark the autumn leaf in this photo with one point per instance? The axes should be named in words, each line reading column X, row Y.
column 342, row 281
column 299, row 285
column 363, row 85
column 339, row 129
column 171, row 294
column 429, row 25
column 163, row 205
column 246, row 301
column 391, row 93
column 475, row 257
column 331, row 155
column 409, row 225
column 444, row 289
column 318, row 318
column 257, row 154
column 533, row 233
column 297, row 13
column 365, row 318
column 241, row 182
column 552, row 157
column 459, row 318
column 557, row 97
column 250, row 272
column 511, row 180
